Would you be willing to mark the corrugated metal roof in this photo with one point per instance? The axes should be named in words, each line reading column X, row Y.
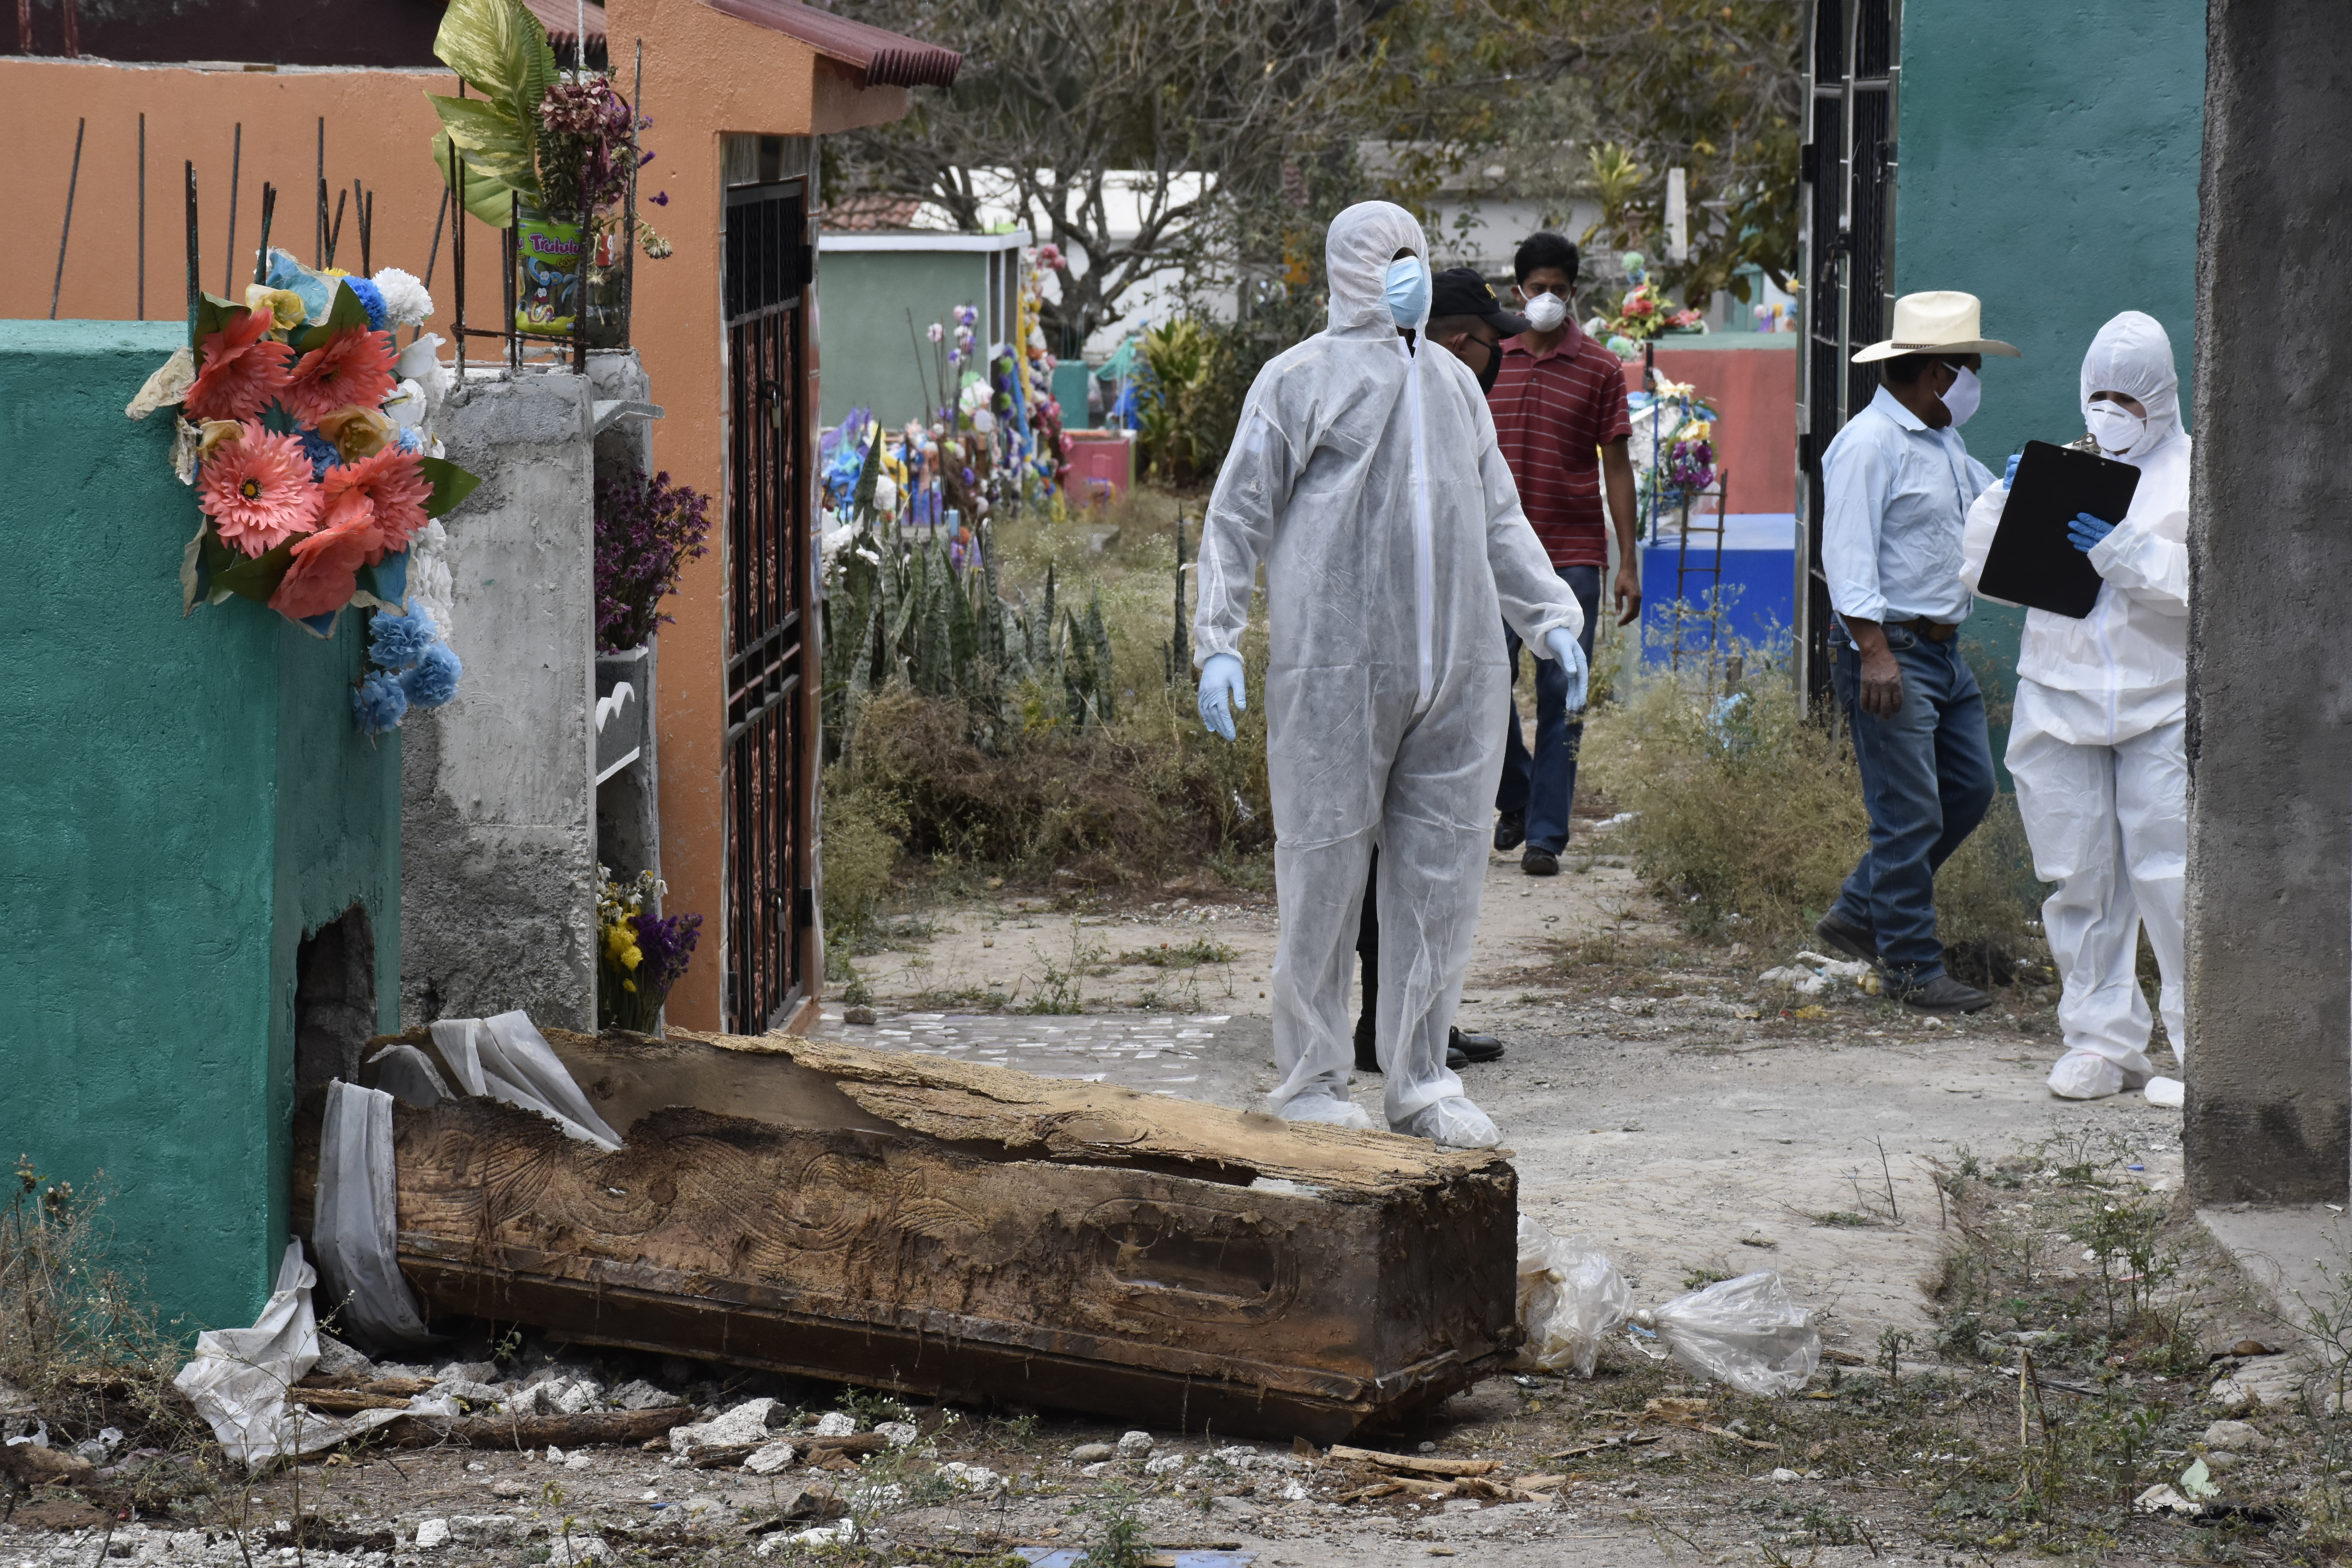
column 560, row 16
column 886, row 59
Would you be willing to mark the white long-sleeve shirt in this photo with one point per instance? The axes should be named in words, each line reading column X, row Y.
column 2123, row 669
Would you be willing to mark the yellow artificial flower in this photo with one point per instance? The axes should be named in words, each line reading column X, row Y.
column 285, row 306
column 215, row 432
column 357, row 432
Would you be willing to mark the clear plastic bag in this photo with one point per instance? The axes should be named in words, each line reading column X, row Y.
column 1570, row 1295
column 352, row 1233
column 506, row 1057
column 1746, row 1333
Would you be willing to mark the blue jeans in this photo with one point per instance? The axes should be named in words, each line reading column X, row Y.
column 1545, row 786
column 1926, row 780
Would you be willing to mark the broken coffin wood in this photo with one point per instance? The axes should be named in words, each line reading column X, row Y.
column 963, row 1231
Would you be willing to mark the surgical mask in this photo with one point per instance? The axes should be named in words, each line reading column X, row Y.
column 1963, row 396
column 1546, row 311
column 2116, row 429
column 1408, row 290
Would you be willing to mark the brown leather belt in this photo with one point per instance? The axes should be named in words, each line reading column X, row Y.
column 1934, row 631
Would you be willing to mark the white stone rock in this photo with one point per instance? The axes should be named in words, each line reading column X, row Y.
column 767, row 1461
column 1295, row 1491
column 432, row 1533
column 1785, row 1476
column 639, row 1394
column 2235, row 1436
column 1134, row 1445
column 972, row 1478
column 836, row 1424
column 1237, row 1457
column 1164, row 1464
column 482, row 1396
column 567, row 1550
column 1091, row 1453
column 1100, row 1467
column 744, row 1423
column 475, row 1528
column 899, row 1434
column 580, row 1397
column 840, row 1534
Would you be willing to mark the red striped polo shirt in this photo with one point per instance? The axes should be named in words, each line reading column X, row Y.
column 1553, row 411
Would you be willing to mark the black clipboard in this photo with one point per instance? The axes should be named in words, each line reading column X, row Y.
column 2032, row 561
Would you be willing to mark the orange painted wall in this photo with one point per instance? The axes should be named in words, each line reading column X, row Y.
column 1755, row 390
column 706, row 75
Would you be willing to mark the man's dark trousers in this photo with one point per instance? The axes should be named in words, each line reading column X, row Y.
column 1927, row 779
column 1546, row 789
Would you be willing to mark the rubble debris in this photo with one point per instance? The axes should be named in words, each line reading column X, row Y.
column 1134, row 1445
column 739, row 1424
column 962, row 1231
column 589, row 1429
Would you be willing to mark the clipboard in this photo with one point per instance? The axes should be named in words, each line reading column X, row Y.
column 2032, row 561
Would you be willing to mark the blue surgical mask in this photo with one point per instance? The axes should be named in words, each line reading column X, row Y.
column 1408, row 290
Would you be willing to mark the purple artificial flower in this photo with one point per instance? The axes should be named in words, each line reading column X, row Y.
column 646, row 530
column 667, row 943
column 661, row 199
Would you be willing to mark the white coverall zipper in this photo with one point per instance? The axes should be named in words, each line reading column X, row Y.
column 1424, row 548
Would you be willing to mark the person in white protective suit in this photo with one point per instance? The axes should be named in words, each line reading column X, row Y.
column 2095, row 739
column 1365, row 476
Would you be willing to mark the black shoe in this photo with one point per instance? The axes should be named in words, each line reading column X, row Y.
column 1854, row 941
column 1455, row 1060
column 1368, row 1056
column 1510, row 831
column 1941, row 995
column 1540, row 862
column 1472, row 1048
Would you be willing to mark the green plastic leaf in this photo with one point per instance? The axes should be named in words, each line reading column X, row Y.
column 451, row 485
column 500, row 50
column 493, row 142
column 343, row 314
column 487, row 197
column 254, row 577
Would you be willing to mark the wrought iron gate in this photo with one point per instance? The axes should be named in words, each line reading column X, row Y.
column 1853, row 53
column 770, row 589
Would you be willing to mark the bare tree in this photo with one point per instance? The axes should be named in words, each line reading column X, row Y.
column 1204, row 111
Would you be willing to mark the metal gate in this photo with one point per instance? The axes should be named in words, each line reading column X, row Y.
column 770, row 903
column 1846, row 167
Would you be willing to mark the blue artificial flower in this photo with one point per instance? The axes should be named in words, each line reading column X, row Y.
column 396, row 642
column 379, row 704
column 410, row 438
column 372, row 297
column 434, row 680
column 321, row 453
column 317, row 289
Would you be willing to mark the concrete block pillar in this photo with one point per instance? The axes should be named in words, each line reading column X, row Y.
column 499, row 819
column 2270, row 837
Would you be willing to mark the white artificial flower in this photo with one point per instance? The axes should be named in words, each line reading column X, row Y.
column 420, row 363
column 405, row 302
column 431, row 587
column 406, row 405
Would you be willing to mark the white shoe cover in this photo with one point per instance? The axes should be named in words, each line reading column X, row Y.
column 1452, row 1123
column 1325, row 1110
column 2169, row 1092
column 2085, row 1075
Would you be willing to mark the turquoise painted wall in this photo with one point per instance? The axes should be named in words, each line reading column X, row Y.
column 187, row 798
column 2047, row 163
column 864, row 297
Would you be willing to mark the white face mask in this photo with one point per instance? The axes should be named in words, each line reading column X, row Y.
column 1963, row 396
column 1546, row 311
column 2116, row 429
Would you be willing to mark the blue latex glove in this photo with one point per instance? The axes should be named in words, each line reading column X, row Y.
column 1221, row 694
column 1570, row 654
column 2009, row 478
column 2086, row 531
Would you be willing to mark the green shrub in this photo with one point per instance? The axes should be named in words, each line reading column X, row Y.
column 862, row 830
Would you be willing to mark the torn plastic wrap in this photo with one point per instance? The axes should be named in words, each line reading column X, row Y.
column 1744, row 1332
column 409, row 1075
column 353, row 1229
column 239, row 1379
column 507, row 1059
column 1570, row 1295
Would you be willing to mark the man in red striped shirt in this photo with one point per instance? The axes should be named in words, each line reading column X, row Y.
column 1559, row 416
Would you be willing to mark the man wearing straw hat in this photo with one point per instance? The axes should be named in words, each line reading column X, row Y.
column 1896, row 484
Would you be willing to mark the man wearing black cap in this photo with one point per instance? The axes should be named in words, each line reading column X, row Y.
column 1469, row 321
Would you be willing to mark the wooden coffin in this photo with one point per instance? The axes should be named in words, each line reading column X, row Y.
column 963, row 1231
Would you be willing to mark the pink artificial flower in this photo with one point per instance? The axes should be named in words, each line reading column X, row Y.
column 257, row 489
column 243, row 369
column 325, row 572
column 1050, row 256
column 395, row 487
column 352, row 366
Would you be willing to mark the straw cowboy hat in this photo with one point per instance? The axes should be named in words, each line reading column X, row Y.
column 1943, row 321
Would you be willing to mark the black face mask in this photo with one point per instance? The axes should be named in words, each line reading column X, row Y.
column 1494, row 368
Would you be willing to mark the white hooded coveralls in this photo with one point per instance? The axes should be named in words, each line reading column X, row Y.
column 1367, row 480
column 2095, row 741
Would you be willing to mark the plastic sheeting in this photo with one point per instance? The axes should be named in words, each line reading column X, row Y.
column 1744, row 1332
column 507, row 1059
column 1366, row 479
column 238, row 1378
column 1569, row 1295
column 355, row 1215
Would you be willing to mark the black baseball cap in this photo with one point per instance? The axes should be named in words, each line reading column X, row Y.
column 1460, row 291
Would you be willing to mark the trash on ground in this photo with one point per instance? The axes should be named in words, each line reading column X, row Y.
column 1569, row 1295
column 1744, row 1332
